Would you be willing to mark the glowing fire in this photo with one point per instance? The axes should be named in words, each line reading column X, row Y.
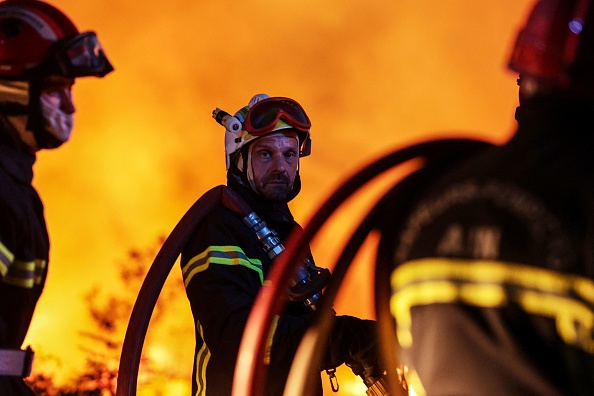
column 374, row 76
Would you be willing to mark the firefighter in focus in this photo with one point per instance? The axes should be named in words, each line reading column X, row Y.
column 493, row 280
column 41, row 54
column 225, row 263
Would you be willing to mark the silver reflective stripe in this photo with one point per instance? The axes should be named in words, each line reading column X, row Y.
column 15, row 362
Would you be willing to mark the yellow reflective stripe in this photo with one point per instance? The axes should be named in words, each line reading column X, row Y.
column 202, row 358
column 26, row 274
column 268, row 350
column 584, row 288
column 423, row 294
column 568, row 313
column 222, row 255
column 480, row 271
column 40, row 269
column 414, row 383
column 195, row 265
column 3, row 269
column 568, row 299
column 6, row 258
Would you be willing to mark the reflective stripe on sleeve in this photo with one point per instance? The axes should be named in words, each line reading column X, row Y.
column 202, row 358
column 222, row 255
column 26, row 274
column 6, row 258
column 567, row 299
column 268, row 350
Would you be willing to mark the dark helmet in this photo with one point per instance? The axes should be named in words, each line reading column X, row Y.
column 555, row 49
column 37, row 39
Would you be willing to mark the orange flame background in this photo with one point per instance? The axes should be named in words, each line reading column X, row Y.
column 373, row 76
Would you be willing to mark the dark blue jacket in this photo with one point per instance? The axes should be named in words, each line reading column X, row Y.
column 493, row 290
column 223, row 267
column 24, row 250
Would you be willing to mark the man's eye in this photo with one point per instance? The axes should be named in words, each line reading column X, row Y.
column 50, row 89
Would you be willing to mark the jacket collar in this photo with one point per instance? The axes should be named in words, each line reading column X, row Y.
column 17, row 164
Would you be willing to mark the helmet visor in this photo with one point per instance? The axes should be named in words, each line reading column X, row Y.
column 81, row 56
column 264, row 115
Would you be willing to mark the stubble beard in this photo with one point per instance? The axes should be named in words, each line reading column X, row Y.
column 276, row 188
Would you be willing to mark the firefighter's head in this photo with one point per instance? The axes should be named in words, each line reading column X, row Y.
column 264, row 153
column 554, row 51
column 41, row 54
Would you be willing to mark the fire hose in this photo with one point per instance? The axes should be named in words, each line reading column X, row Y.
column 250, row 370
column 151, row 288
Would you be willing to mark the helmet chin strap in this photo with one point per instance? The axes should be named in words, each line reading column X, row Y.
column 250, row 170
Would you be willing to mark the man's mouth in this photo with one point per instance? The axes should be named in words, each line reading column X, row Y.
column 276, row 181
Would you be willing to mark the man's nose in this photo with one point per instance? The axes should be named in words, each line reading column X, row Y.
column 278, row 164
column 66, row 102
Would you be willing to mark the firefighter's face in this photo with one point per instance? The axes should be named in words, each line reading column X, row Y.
column 275, row 161
column 57, row 108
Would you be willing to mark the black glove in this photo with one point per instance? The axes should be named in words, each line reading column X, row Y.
column 353, row 341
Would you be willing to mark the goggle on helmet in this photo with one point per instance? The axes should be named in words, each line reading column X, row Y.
column 262, row 116
column 37, row 39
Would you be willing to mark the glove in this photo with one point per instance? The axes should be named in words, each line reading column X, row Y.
column 353, row 341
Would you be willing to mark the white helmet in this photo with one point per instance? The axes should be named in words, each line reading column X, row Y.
column 262, row 116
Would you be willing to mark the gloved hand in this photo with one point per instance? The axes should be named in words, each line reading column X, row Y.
column 354, row 341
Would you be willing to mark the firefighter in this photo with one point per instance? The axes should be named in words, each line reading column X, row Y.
column 224, row 264
column 41, row 54
column 493, row 286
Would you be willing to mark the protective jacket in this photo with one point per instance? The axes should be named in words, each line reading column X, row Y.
column 493, row 289
column 24, row 249
column 223, row 267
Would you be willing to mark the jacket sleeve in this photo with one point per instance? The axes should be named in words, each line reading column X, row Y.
column 223, row 271
column 222, row 281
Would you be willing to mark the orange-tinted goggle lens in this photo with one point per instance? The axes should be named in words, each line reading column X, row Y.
column 264, row 115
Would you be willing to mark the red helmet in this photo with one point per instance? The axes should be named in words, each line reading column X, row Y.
column 556, row 44
column 38, row 39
